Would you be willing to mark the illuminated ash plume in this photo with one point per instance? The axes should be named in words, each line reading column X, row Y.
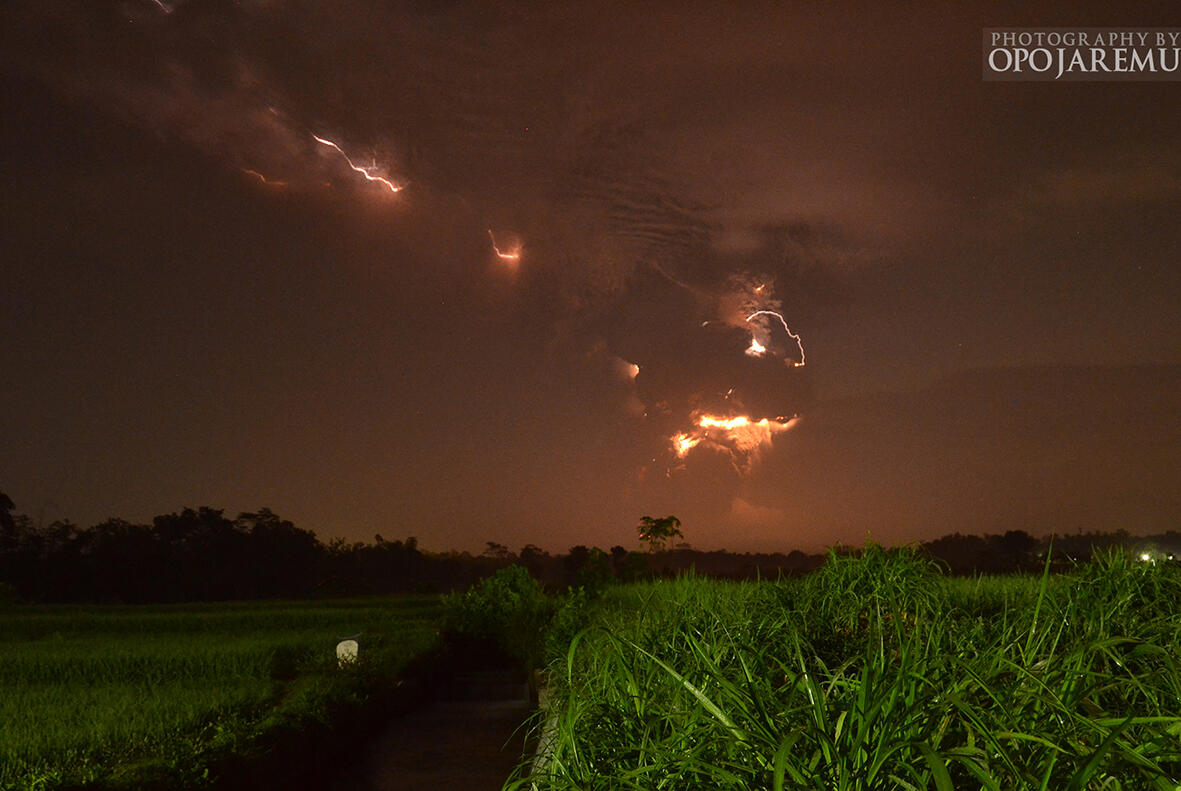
column 740, row 436
column 512, row 255
column 749, row 303
column 683, row 443
column 367, row 172
column 757, row 349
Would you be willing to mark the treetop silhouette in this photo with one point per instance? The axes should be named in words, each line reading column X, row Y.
column 656, row 533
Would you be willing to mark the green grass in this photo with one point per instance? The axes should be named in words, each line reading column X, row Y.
column 875, row 673
column 110, row 694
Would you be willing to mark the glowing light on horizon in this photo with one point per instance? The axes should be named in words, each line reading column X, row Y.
column 757, row 349
column 364, row 171
column 513, row 255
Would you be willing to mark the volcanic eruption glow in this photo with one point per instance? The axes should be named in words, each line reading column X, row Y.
column 741, row 436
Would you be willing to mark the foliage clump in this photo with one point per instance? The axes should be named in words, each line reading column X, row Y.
column 875, row 672
column 510, row 607
column 1119, row 590
column 570, row 617
column 658, row 532
column 853, row 594
column 175, row 697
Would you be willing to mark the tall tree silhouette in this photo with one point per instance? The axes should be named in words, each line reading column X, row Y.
column 656, row 533
column 7, row 523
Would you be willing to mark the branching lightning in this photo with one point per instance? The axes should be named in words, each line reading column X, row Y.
column 364, row 171
column 757, row 349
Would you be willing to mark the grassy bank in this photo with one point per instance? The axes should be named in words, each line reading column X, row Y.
column 112, row 696
column 876, row 672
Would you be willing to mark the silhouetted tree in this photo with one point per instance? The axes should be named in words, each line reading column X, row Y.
column 533, row 558
column 1017, row 546
column 125, row 563
column 498, row 552
column 618, row 558
column 574, row 561
column 658, row 532
column 635, row 567
column 596, row 571
column 209, row 558
column 7, row 523
column 283, row 558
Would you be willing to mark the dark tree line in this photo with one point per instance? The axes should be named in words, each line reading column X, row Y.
column 203, row 555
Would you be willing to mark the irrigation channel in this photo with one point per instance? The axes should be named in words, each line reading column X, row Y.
column 467, row 731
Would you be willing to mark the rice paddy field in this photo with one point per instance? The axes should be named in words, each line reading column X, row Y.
column 874, row 672
column 115, row 696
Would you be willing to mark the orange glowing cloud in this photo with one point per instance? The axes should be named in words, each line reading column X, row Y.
column 742, row 437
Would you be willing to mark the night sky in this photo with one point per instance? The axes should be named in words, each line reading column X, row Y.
column 203, row 304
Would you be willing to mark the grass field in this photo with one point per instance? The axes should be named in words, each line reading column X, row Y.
column 117, row 694
column 875, row 673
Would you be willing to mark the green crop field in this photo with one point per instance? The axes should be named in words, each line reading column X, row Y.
column 874, row 672
column 114, row 694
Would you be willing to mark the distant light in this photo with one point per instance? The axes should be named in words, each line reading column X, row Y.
column 1145, row 557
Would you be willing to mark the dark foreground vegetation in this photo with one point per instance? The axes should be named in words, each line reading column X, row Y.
column 203, row 555
column 184, row 696
column 875, row 671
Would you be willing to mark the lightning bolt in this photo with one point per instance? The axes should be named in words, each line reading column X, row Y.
column 512, row 255
column 167, row 9
column 757, row 349
column 362, row 170
column 264, row 179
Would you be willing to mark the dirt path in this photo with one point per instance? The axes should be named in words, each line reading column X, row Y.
column 469, row 738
